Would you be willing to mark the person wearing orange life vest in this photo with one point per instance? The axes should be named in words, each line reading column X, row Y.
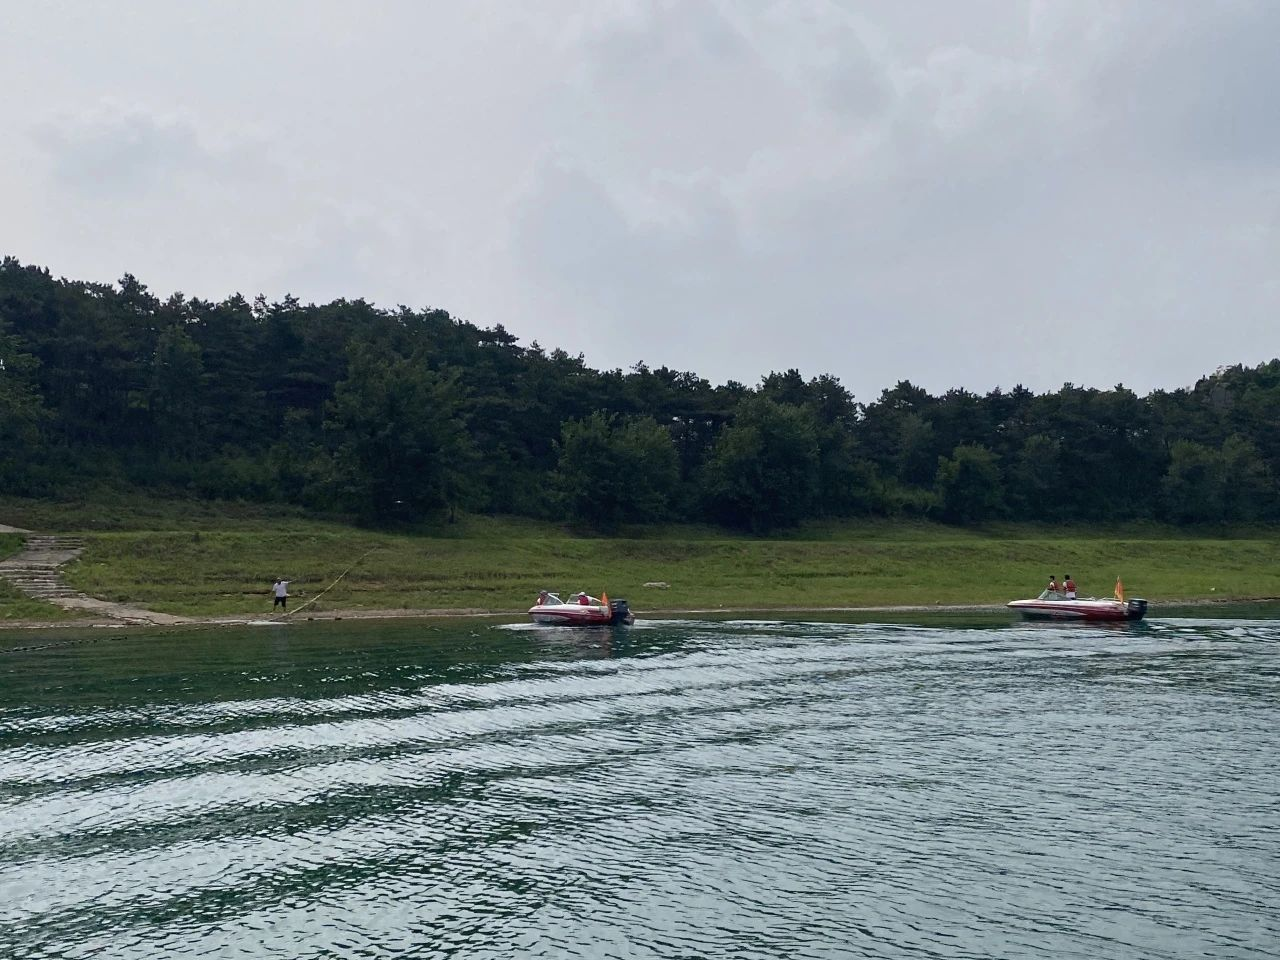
column 1069, row 586
column 1053, row 584
column 583, row 599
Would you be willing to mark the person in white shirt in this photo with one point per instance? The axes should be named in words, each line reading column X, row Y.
column 280, row 589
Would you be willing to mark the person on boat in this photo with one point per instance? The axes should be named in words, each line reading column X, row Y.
column 542, row 597
column 583, row 599
column 1069, row 586
column 1053, row 585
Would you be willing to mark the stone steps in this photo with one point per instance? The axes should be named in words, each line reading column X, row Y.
column 34, row 571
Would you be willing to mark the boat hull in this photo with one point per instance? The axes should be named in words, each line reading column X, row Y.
column 1087, row 610
column 585, row 615
column 582, row 615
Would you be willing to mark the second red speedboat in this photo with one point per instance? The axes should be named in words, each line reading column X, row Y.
column 1054, row 606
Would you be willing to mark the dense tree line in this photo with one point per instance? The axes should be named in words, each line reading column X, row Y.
column 401, row 415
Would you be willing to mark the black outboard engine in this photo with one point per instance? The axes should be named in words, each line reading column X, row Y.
column 620, row 612
column 1136, row 608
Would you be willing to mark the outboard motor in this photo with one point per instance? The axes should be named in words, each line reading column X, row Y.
column 620, row 612
column 1136, row 608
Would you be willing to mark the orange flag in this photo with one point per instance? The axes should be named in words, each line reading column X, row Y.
column 604, row 600
column 1119, row 589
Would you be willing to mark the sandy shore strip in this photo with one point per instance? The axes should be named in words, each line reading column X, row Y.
column 464, row 613
column 241, row 620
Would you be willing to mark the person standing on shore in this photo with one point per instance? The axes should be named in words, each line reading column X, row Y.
column 280, row 590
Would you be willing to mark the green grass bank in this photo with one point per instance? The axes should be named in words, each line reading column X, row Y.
column 208, row 560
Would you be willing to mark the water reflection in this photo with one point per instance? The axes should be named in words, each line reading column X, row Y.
column 681, row 788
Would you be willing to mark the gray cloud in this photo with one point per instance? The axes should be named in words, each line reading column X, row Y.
column 128, row 151
column 1196, row 85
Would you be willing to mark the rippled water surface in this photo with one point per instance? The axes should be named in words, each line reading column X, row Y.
column 679, row 789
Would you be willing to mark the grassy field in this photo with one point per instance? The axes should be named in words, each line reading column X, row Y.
column 204, row 560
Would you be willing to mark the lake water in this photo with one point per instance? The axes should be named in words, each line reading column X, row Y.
column 680, row 789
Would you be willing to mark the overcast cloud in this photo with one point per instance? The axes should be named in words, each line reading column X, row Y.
column 960, row 194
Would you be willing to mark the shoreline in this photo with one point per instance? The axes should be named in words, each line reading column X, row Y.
column 485, row 573
column 179, row 621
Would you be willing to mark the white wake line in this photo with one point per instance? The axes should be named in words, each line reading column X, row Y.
column 466, row 707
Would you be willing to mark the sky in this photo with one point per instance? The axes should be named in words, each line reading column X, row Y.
column 973, row 195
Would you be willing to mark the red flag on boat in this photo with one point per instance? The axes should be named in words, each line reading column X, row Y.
column 1119, row 589
column 604, row 600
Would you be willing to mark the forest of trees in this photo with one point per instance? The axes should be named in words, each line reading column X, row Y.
column 397, row 416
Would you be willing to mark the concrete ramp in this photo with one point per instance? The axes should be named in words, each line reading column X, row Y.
column 34, row 571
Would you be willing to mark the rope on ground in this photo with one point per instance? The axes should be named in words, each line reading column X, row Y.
column 326, row 589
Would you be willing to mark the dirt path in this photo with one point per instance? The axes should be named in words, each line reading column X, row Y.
column 35, row 571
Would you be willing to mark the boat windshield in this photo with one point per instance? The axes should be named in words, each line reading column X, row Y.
column 546, row 597
column 1050, row 595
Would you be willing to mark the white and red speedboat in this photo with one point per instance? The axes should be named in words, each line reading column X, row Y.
column 1055, row 606
column 580, row 610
